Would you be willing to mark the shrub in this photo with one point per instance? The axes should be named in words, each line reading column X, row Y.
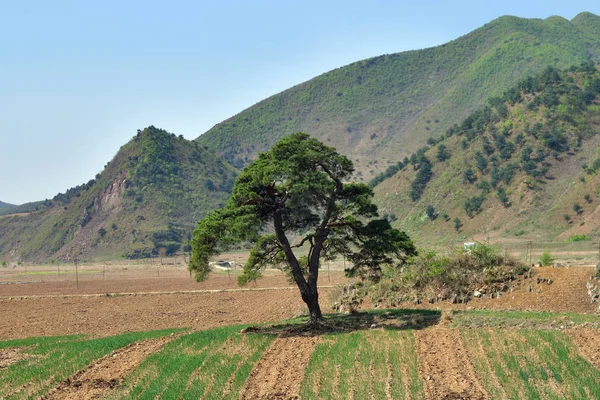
column 431, row 277
column 469, row 176
column 421, row 179
column 430, row 211
column 578, row 238
column 473, row 205
column 502, row 196
column 457, row 224
column 546, row 259
column 442, row 154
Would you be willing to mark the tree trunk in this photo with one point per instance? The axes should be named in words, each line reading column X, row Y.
column 308, row 290
column 314, row 310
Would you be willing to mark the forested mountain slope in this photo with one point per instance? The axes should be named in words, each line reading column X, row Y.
column 527, row 164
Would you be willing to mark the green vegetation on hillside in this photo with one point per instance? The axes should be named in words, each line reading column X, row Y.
column 519, row 152
column 382, row 109
column 5, row 206
column 146, row 201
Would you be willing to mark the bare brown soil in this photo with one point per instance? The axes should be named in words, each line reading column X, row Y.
column 588, row 343
column 130, row 279
column 97, row 379
column 280, row 371
column 445, row 366
column 566, row 293
column 10, row 356
column 106, row 312
column 44, row 308
column 105, row 316
column 141, row 298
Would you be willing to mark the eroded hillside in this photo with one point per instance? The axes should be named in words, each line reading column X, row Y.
column 148, row 198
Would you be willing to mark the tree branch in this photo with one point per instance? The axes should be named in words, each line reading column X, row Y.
column 295, row 246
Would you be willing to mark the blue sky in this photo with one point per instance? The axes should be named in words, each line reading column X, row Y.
column 77, row 78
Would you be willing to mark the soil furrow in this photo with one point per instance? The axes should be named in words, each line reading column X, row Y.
column 445, row 366
column 588, row 344
column 390, row 372
column 335, row 392
column 372, row 380
column 97, row 379
column 280, row 371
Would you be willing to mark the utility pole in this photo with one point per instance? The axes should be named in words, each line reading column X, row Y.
column 76, row 274
column 528, row 256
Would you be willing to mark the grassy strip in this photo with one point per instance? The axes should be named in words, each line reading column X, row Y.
column 531, row 364
column 520, row 319
column 38, row 341
column 53, row 359
column 212, row 364
column 364, row 364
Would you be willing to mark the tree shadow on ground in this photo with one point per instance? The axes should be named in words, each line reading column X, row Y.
column 393, row 319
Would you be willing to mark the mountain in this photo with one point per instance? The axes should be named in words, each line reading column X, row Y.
column 150, row 196
column 23, row 208
column 377, row 111
column 384, row 108
column 525, row 165
column 5, row 206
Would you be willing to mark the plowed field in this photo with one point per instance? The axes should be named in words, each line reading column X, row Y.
column 140, row 298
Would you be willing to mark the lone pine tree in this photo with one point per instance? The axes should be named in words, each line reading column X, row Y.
column 298, row 190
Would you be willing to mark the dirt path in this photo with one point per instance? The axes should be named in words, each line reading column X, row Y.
column 280, row 371
column 96, row 380
column 445, row 366
column 587, row 341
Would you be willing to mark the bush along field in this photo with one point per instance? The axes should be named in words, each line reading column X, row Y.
column 379, row 354
column 431, row 277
